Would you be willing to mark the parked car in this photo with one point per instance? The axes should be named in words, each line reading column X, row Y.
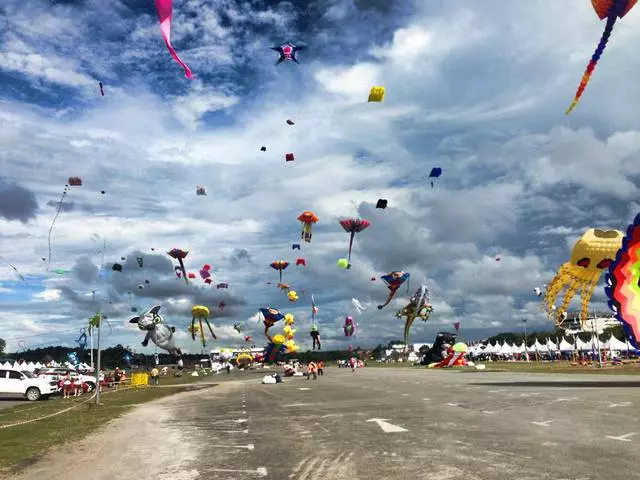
column 15, row 382
column 58, row 373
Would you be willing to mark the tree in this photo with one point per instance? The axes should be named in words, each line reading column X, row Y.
column 3, row 345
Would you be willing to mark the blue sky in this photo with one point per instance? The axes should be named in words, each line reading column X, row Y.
column 478, row 90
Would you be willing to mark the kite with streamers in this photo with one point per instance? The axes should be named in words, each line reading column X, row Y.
column 358, row 306
column 180, row 255
column 418, row 307
column 592, row 253
column 623, row 283
column 394, row 281
column 280, row 266
column 14, row 269
column 200, row 313
column 314, row 309
column 165, row 12
column 611, row 10
column 307, row 218
column 353, row 226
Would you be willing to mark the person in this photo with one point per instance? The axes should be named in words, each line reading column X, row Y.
column 312, row 369
column 321, row 368
column 352, row 361
column 117, row 376
column 67, row 386
column 154, row 376
column 77, row 387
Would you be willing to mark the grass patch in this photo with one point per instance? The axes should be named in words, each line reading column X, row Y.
column 22, row 445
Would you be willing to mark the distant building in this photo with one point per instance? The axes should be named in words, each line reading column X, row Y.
column 597, row 322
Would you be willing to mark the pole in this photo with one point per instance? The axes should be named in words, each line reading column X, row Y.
column 91, row 344
column 526, row 352
column 104, row 246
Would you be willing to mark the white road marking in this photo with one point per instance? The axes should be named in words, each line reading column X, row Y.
column 386, row 426
column 621, row 404
column 490, row 413
column 332, row 415
column 303, row 388
column 549, row 444
column 241, row 420
column 452, row 404
column 260, row 471
column 572, row 399
column 542, row 424
column 497, row 391
column 235, row 431
column 426, row 399
column 299, row 405
column 405, row 394
column 251, row 446
column 460, row 442
column 623, row 438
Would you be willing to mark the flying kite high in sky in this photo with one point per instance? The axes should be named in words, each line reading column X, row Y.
column 165, row 12
column 287, row 52
column 307, row 218
column 592, row 253
column 611, row 10
column 353, row 226
column 180, row 255
column 393, row 280
column 201, row 312
column 280, row 266
column 376, row 94
column 435, row 173
column 623, row 283
column 349, row 327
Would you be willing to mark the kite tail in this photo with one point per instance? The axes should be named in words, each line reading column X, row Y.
column 351, row 244
column 213, row 335
column 164, row 8
column 184, row 271
column 389, row 298
column 611, row 20
column 204, row 343
column 193, row 328
column 64, row 193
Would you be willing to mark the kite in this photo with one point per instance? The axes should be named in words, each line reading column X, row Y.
column 221, row 306
column 287, row 53
column 180, row 255
column 537, row 291
column 314, row 309
column 201, row 312
column 75, row 181
column 116, row 267
column 293, row 296
column 349, row 327
column 358, row 306
column 200, row 191
column 289, row 157
column 208, row 281
column 393, row 280
column 307, row 218
column 248, row 339
column 164, row 8
column 315, row 335
column 178, row 271
column 611, row 10
column 295, row 246
column 191, row 275
column 290, row 122
column 353, row 226
column 376, row 94
column 237, row 327
column 283, row 286
column 343, row 263
column 591, row 254
column 82, row 339
column 623, row 286
column 222, row 285
column 382, row 203
column 15, row 270
column 101, row 89
column 205, row 272
column 158, row 332
column 140, row 261
column 59, row 271
column 53, row 222
column 418, row 307
column 244, row 359
column 435, row 173
column 301, row 261
column 263, row 149
column 280, row 265
column 455, row 357
column 271, row 316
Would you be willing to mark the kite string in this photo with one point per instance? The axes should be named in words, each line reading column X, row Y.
column 64, row 193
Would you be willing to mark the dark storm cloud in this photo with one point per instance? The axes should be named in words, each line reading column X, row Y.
column 17, row 202
column 240, row 255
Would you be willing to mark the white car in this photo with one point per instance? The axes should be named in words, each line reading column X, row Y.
column 15, row 382
column 58, row 373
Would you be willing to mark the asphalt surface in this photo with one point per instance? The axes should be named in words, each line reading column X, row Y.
column 436, row 425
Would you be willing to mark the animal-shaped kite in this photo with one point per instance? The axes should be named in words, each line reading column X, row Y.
column 393, row 280
column 237, row 327
column 623, row 281
column 287, row 52
column 201, row 312
column 293, row 296
column 280, row 266
column 611, row 10
column 307, row 218
column 418, row 307
column 180, row 255
column 592, row 253
column 353, row 226
column 164, row 8
column 349, row 327
column 159, row 333
column 358, row 306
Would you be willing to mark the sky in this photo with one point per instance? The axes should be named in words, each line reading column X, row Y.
column 478, row 89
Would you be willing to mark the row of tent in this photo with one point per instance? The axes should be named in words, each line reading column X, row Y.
column 30, row 366
column 612, row 344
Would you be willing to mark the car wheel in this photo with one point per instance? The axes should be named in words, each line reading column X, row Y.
column 33, row 394
column 90, row 386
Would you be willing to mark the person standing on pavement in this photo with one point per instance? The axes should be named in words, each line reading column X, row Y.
column 312, row 369
column 154, row 376
column 321, row 368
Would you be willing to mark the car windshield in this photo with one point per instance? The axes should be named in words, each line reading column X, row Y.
column 28, row 374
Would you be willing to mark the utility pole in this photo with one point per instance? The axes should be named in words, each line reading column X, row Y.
column 104, row 246
column 526, row 352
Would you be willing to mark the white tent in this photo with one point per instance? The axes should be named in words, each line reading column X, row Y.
column 531, row 348
column 505, row 349
column 615, row 345
column 6, row 365
column 566, row 346
column 582, row 346
column 551, row 346
column 517, row 348
column 39, row 365
column 540, row 348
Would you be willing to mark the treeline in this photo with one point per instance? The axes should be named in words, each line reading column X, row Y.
column 555, row 334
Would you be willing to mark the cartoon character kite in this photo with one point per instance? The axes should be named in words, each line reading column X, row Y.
column 353, row 226
column 393, row 280
column 349, row 327
column 418, row 307
column 180, row 255
column 623, row 281
column 288, row 52
column 280, row 266
column 307, row 218
column 315, row 335
column 592, row 253
column 611, row 10
column 201, row 312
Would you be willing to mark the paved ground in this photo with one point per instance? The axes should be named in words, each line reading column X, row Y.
column 381, row 423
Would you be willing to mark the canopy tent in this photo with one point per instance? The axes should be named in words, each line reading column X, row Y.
column 551, row 346
column 505, row 349
column 565, row 346
column 615, row 345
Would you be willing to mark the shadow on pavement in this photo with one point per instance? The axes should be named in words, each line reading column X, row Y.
column 565, row 384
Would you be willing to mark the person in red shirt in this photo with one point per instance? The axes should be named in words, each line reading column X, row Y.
column 321, row 368
column 312, row 369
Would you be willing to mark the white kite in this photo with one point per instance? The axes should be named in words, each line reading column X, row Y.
column 357, row 305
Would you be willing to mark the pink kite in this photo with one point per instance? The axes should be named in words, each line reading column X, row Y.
column 164, row 8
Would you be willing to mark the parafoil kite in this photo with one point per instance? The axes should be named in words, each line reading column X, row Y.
column 288, row 52
column 349, row 327
column 301, row 261
column 222, row 285
column 435, row 173
column 591, row 254
column 611, row 10
column 180, row 255
column 263, row 149
column 418, row 307
column 164, row 8
column 75, row 181
column 376, row 94
column 280, row 266
column 307, row 218
column 393, row 280
column 290, row 122
column 201, row 312
column 353, row 226
column 295, row 246
column 382, row 203
column 289, row 157
column 623, row 283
